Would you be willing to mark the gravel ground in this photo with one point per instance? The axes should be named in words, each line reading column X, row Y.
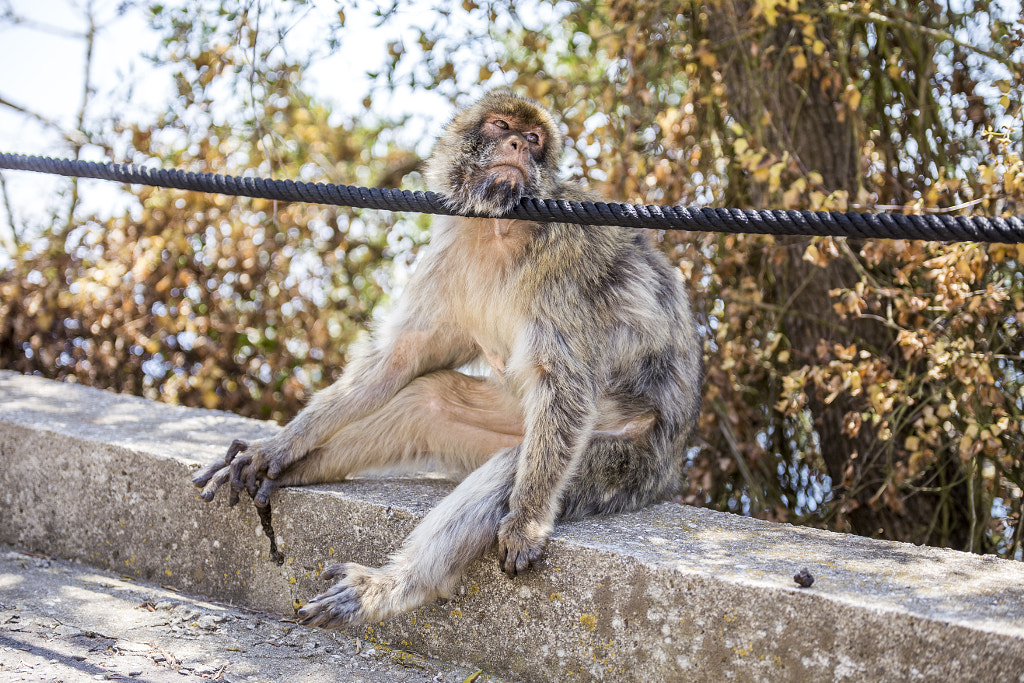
column 66, row 622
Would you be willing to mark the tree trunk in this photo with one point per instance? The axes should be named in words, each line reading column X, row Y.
column 801, row 116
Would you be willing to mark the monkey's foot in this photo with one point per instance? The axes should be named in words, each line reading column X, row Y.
column 362, row 594
column 520, row 544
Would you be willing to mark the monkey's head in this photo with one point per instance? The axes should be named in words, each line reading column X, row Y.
column 495, row 152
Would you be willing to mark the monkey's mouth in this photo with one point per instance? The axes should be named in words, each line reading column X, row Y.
column 512, row 172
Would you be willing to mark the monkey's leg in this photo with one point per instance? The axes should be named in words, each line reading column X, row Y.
column 457, row 420
column 372, row 379
column 621, row 474
column 431, row 560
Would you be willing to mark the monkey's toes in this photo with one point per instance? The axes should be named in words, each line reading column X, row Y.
column 335, row 608
column 335, row 571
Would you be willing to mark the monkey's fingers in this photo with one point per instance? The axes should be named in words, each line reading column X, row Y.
column 275, row 467
column 215, row 482
column 233, row 496
column 262, row 497
column 331, row 611
column 203, row 476
column 516, row 558
column 236, row 447
column 238, row 469
column 251, row 485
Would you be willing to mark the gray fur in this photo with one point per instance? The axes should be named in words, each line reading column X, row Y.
column 593, row 394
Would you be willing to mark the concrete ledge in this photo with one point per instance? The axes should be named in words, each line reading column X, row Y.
column 669, row 593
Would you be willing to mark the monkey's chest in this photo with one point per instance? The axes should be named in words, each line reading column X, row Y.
column 489, row 298
column 493, row 324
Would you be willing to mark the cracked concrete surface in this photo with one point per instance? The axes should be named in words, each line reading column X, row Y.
column 61, row 621
column 669, row 593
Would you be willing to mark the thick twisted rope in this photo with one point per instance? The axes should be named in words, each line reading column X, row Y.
column 767, row 222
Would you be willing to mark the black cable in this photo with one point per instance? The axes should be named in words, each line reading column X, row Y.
column 768, row 222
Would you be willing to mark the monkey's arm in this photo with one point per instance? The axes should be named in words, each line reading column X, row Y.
column 559, row 399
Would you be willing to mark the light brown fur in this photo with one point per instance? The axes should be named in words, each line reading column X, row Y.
column 593, row 392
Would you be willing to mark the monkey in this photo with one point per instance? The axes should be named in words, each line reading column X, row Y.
column 591, row 392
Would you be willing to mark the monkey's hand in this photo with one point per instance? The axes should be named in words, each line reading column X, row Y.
column 247, row 466
column 520, row 543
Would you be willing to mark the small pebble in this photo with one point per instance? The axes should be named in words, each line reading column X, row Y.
column 803, row 578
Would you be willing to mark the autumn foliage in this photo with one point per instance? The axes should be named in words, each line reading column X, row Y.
column 866, row 386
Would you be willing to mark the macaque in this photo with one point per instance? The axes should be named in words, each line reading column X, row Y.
column 593, row 388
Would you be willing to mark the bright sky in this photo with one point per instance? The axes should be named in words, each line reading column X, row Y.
column 48, row 81
column 49, row 76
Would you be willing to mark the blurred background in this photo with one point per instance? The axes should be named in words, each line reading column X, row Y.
column 874, row 387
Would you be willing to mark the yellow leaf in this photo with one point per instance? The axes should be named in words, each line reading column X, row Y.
column 767, row 7
column 775, row 175
column 791, row 198
column 811, row 254
column 965, row 447
column 852, row 96
column 799, row 62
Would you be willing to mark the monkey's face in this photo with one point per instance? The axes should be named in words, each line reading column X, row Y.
column 492, row 155
column 510, row 151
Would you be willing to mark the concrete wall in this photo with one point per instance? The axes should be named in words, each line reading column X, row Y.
column 670, row 593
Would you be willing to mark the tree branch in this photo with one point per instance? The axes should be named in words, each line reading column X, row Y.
column 878, row 18
column 74, row 137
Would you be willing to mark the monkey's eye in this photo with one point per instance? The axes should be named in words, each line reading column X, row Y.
column 532, row 138
column 501, row 124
